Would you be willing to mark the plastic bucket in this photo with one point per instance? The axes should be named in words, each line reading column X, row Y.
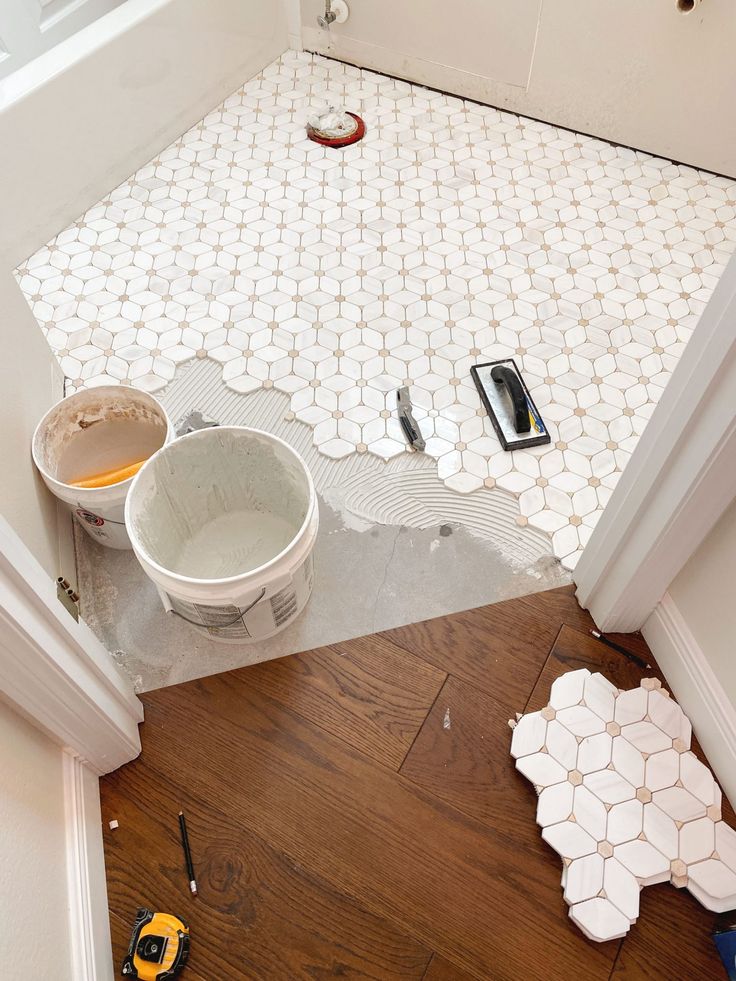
column 224, row 522
column 94, row 430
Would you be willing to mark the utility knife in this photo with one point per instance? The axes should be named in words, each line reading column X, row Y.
column 406, row 418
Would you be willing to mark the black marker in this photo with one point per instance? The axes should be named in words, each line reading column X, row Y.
column 187, row 853
column 622, row 650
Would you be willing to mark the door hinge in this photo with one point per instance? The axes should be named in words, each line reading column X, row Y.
column 67, row 597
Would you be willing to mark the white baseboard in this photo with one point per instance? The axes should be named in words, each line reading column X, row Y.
column 697, row 689
column 89, row 925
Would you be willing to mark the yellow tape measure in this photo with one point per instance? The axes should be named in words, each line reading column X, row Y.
column 159, row 947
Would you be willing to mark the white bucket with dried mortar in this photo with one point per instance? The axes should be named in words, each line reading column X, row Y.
column 224, row 522
column 92, row 431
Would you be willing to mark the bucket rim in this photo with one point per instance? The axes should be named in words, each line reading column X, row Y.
column 142, row 553
column 116, row 389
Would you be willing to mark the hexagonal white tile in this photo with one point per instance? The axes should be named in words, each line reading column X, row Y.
column 453, row 233
column 629, row 806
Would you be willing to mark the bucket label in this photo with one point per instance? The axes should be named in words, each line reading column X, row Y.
column 261, row 620
column 219, row 621
column 91, row 519
column 222, row 620
column 283, row 606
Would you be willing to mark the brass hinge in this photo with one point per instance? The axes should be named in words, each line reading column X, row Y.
column 67, row 597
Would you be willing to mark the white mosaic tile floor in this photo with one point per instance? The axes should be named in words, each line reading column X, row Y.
column 454, row 233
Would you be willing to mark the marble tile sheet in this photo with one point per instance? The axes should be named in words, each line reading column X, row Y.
column 624, row 801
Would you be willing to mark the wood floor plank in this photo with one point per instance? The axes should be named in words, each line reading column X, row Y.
column 671, row 939
column 404, row 855
column 574, row 649
column 368, row 691
column 461, row 755
column 257, row 915
column 441, row 969
column 499, row 649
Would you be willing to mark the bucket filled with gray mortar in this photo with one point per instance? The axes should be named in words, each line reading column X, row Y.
column 224, row 522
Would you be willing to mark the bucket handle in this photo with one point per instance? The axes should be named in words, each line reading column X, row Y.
column 230, row 623
column 273, row 587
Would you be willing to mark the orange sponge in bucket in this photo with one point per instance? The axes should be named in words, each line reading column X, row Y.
column 90, row 446
column 108, row 477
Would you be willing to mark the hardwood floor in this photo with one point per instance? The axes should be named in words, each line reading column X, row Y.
column 354, row 813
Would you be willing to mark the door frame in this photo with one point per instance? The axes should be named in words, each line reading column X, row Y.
column 680, row 479
column 55, row 672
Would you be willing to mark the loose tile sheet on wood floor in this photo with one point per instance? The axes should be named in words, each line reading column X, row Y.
column 453, row 233
column 624, row 800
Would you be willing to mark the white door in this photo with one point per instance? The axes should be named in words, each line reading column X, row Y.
column 30, row 27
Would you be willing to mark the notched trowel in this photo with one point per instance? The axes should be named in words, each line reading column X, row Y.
column 513, row 413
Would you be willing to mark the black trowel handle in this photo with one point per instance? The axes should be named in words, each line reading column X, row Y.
column 508, row 377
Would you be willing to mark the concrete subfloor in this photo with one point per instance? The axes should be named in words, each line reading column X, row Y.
column 395, row 546
column 365, row 581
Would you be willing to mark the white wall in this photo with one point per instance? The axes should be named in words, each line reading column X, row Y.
column 637, row 73
column 73, row 124
column 34, row 935
column 705, row 594
column 466, row 42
